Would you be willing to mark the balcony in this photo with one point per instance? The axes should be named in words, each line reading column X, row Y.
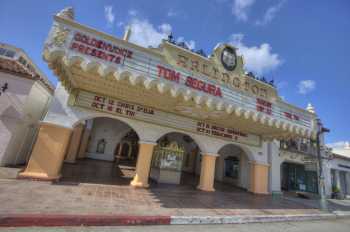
column 302, row 146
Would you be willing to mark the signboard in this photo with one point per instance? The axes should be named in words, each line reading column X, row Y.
column 121, row 108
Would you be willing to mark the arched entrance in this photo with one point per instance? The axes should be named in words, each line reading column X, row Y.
column 126, row 150
column 232, row 166
column 107, row 153
column 176, row 160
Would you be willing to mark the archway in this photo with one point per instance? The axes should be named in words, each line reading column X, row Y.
column 176, row 160
column 232, row 166
column 107, row 153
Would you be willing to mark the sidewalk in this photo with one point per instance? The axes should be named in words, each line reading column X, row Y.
column 35, row 203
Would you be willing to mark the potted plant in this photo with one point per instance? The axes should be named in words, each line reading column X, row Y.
column 336, row 194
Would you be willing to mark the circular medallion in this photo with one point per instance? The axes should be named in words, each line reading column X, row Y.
column 229, row 58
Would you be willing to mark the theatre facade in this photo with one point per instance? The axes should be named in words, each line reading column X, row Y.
column 169, row 111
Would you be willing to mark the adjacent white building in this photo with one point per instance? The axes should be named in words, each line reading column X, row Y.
column 25, row 93
column 339, row 168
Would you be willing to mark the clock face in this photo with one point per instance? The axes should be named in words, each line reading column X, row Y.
column 229, row 58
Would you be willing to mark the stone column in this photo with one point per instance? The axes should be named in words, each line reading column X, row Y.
column 348, row 183
column 337, row 179
column 74, row 144
column 48, row 153
column 259, row 175
column 206, row 181
column 143, row 165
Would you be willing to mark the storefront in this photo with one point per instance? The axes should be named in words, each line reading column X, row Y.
column 297, row 177
column 188, row 113
column 339, row 168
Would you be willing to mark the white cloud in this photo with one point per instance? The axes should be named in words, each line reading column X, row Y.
column 339, row 144
column 109, row 15
column 240, row 9
column 258, row 59
column 281, row 85
column 145, row 34
column 270, row 13
column 132, row 12
column 172, row 13
column 306, row 86
column 190, row 44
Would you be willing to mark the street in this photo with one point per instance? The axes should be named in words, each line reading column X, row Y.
column 340, row 225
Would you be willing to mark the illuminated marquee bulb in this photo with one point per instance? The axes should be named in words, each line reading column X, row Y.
column 220, row 105
column 229, row 109
column 149, row 83
column 123, row 75
column 104, row 70
column 175, row 91
column 199, row 99
column 239, row 111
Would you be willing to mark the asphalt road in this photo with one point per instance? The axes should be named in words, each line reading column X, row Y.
column 342, row 225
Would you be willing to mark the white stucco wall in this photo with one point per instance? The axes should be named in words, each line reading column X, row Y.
column 35, row 108
column 12, row 113
column 112, row 131
column 21, row 106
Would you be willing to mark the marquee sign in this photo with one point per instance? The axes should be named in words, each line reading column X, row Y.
column 218, row 80
column 121, row 108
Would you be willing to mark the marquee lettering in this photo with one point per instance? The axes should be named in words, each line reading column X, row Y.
column 98, row 48
column 203, row 86
column 168, row 74
column 191, row 82
column 263, row 106
column 223, row 77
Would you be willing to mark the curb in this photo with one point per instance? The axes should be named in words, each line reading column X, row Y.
column 182, row 220
column 26, row 220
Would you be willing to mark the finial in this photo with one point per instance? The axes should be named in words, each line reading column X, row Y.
column 310, row 108
column 347, row 145
column 170, row 37
column 127, row 33
column 67, row 12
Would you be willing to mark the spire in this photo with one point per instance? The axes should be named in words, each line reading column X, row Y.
column 310, row 108
column 127, row 33
column 67, row 13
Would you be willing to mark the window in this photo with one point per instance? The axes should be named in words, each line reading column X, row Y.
column 2, row 51
column 10, row 53
column 232, row 167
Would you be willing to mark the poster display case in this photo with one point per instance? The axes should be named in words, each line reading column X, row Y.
column 167, row 163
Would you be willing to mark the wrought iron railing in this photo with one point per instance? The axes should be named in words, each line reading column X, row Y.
column 299, row 146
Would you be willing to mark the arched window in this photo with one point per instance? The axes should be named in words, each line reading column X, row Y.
column 101, row 144
column 232, row 167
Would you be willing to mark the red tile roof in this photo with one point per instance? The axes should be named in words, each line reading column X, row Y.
column 13, row 67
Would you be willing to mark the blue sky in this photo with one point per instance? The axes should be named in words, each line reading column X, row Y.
column 302, row 45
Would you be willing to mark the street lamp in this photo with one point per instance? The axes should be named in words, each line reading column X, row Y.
column 320, row 131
